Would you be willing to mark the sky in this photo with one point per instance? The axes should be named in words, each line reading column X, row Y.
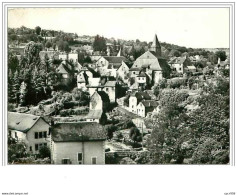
column 189, row 27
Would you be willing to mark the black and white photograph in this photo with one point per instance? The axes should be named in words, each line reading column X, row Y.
column 129, row 86
column 120, row 92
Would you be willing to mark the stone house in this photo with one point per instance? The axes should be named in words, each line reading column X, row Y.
column 78, row 143
column 30, row 129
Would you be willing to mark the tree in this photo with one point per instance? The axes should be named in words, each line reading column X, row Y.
column 110, row 131
column 31, row 51
column 221, row 55
column 44, row 152
column 135, row 134
column 99, row 43
column 16, row 150
column 168, row 136
column 13, row 62
column 37, row 30
column 48, row 44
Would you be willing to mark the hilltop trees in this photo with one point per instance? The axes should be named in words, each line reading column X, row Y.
column 221, row 55
column 37, row 30
column 99, row 43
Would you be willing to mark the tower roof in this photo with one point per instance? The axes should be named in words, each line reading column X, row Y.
column 155, row 42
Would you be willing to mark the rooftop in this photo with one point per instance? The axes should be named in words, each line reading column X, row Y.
column 78, row 132
column 20, row 121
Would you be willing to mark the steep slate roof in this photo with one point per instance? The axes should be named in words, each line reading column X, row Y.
column 94, row 114
column 147, row 59
column 77, row 132
column 20, row 121
column 141, row 95
column 180, row 60
column 62, row 69
column 142, row 74
column 150, row 103
column 155, row 42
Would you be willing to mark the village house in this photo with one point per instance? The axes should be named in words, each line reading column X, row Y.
column 65, row 72
column 30, row 129
column 63, row 56
column 73, row 56
column 78, row 143
column 107, row 65
column 145, row 107
column 135, row 99
column 123, row 72
column 180, row 63
column 94, row 85
column 83, row 78
column 142, row 80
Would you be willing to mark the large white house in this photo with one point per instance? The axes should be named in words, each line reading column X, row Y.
column 30, row 129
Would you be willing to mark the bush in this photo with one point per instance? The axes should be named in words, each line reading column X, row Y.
column 130, row 124
column 44, row 152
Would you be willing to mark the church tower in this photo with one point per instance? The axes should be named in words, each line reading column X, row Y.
column 155, row 47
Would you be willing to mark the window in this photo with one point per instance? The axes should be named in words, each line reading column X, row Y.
column 36, row 135
column 45, row 144
column 45, row 134
column 31, row 148
column 133, row 72
column 180, row 68
column 106, row 89
column 65, row 161
column 36, row 147
column 15, row 134
column 142, row 78
column 79, row 157
column 93, row 160
column 40, row 134
column 132, row 106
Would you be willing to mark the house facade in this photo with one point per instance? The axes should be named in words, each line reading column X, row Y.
column 78, row 143
column 73, row 56
column 123, row 72
column 145, row 107
column 110, row 89
column 30, row 129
